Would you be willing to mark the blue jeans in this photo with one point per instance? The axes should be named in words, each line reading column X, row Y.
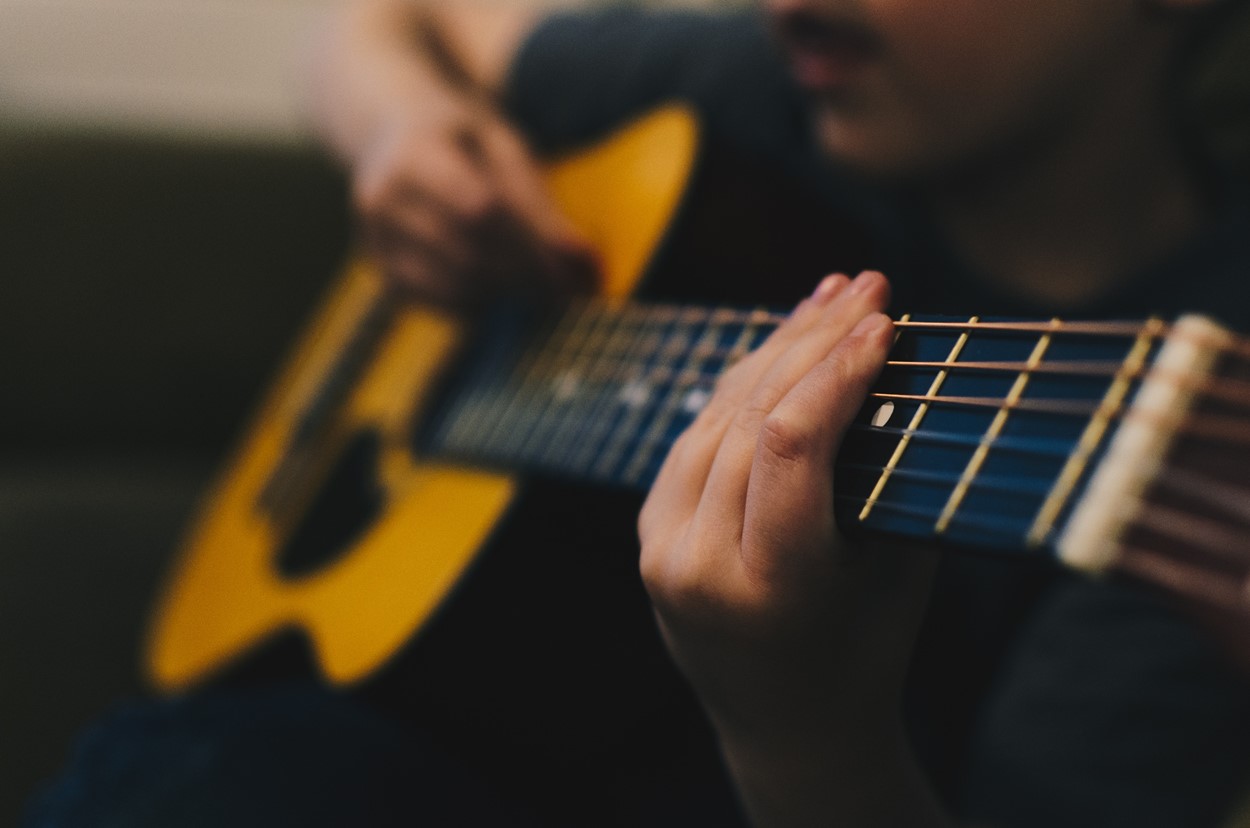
column 287, row 755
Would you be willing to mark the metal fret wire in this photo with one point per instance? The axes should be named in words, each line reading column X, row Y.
column 996, row 427
column 1092, row 437
column 602, row 417
column 637, row 406
column 562, row 429
column 682, row 342
column 913, row 426
column 520, row 415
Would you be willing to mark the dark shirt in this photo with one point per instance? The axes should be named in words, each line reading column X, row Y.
column 1037, row 698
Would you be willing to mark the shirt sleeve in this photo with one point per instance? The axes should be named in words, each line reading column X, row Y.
column 1111, row 711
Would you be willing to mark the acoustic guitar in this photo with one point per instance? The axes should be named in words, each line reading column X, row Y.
column 1109, row 445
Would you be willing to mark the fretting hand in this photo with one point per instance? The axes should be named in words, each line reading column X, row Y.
column 796, row 642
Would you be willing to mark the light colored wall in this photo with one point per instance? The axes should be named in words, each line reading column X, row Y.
column 210, row 68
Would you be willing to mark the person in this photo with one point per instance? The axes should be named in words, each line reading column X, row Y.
column 1013, row 158
column 1030, row 160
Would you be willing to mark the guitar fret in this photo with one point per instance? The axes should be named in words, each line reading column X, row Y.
column 916, row 419
column 576, row 388
column 992, row 433
column 512, row 423
column 549, row 391
column 684, row 380
column 619, row 350
column 467, row 421
column 1092, row 436
column 680, row 340
column 605, row 391
column 753, row 327
column 636, row 394
column 474, row 419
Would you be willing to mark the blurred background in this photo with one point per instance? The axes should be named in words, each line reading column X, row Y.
column 165, row 224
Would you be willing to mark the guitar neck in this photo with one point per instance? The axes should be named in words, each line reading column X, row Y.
column 599, row 393
column 983, row 433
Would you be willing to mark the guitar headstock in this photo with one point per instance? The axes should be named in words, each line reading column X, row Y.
column 1170, row 502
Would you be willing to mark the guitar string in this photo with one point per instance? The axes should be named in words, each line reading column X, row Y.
column 1182, row 577
column 659, row 323
column 1226, row 428
column 1210, row 428
column 1010, row 485
column 981, row 521
column 1232, row 390
column 685, row 338
column 1223, row 545
column 1219, row 388
column 1228, row 389
column 1239, row 347
column 1113, row 329
column 605, row 412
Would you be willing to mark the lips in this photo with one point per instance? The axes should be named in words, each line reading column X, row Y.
column 826, row 55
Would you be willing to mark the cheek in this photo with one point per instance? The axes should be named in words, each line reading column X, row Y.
column 961, row 75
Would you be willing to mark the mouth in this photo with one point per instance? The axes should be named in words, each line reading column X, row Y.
column 825, row 55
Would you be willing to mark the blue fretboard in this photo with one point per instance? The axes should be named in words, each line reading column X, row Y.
column 981, row 432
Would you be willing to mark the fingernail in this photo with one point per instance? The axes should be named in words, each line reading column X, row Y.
column 864, row 281
column 872, row 324
column 827, row 288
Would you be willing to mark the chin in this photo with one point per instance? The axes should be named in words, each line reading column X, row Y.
column 853, row 144
column 891, row 153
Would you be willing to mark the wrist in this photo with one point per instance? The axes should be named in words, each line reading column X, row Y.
column 371, row 74
column 865, row 776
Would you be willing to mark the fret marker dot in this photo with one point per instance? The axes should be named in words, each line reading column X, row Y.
column 695, row 401
column 566, row 386
column 635, row 394
column 883, row 414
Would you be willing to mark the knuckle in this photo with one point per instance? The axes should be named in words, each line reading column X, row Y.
column 786, row 440
column 673, row 582
column 759, row 406
column 844, row 371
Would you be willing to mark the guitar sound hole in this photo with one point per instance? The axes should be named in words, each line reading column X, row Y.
column 347, row 503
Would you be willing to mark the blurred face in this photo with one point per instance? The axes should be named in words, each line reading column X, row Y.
column 904, row 87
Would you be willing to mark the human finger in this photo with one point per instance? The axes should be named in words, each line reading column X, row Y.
column 431, row 166
column 679, row 484
column 724, row 500
column 425, row 224
column 791, row 477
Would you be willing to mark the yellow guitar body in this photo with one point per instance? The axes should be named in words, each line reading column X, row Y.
column 227, row 593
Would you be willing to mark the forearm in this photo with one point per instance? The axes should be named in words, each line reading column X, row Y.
column 381, row 60
column 835, row 776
